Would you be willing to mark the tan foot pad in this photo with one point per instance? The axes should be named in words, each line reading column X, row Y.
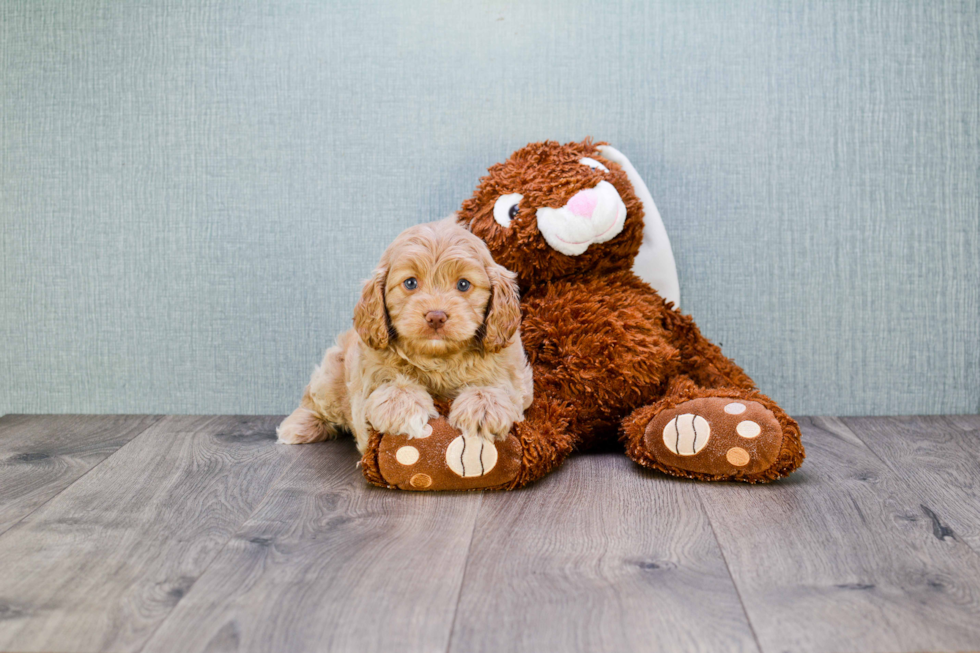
column 717, row 436
column 445, row 460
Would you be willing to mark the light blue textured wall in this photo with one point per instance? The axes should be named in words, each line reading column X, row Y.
column 191, row 192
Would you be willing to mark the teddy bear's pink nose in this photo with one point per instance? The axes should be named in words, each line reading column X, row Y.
column 583, row 202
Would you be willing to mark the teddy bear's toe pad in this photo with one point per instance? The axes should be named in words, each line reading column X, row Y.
column 717, row 436
column 446, row 460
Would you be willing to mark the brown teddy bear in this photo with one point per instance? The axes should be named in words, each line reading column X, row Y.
column 611, row 358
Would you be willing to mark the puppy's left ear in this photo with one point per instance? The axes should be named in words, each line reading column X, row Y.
column 503, row 310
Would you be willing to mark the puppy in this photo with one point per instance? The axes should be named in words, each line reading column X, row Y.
column 438, row 318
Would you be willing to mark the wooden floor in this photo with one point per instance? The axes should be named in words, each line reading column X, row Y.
column 202, row 534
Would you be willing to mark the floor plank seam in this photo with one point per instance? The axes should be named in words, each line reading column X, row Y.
column 84, row 474
column 466, row 567
column 840, row 420
column 190, row 587
column 220, row 551
column 883, row 461
column 731, row 576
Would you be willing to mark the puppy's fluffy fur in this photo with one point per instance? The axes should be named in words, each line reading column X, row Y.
column 384, row 373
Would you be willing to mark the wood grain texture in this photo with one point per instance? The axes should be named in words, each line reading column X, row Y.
column 101, row 565
column 329, row 563
column 201, row 534
column 41, row 456
column 969, row 424
column 939, row 458
column 844, row 555
column 600, row 556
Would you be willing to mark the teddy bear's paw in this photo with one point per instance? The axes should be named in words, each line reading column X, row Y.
column 717, row 437
column 448, row 460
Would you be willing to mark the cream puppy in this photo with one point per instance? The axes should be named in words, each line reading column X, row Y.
column 438, row 318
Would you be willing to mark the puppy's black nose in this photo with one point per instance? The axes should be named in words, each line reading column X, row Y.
column 436, row 319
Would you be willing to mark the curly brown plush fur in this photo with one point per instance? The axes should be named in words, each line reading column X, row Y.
column 611, row 358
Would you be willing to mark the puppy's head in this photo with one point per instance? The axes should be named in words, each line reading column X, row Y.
column 437, row 291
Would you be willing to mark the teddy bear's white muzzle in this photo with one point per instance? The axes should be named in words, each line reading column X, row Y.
column 593, row 215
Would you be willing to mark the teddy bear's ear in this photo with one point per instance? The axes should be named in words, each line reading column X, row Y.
column 371, row 315
column 503, row 310
column 655, row 261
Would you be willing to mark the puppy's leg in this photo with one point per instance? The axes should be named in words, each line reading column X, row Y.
column 321, row 413
column 401, row 407
column 305, row 426
column 487, row 411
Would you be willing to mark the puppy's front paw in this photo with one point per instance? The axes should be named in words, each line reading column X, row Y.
column 487, row 412
column 401, row 410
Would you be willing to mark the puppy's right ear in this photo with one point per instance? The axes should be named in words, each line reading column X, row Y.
column 371, row 315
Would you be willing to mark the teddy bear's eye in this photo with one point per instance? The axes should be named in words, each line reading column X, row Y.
column 506, row 207
column 592, row 163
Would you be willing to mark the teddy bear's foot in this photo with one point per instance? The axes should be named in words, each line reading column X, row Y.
column 715, row 438
column 444, row 460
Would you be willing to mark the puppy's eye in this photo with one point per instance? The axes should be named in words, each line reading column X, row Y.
column 462, row 285
column 592, row 163
column 411, row 283
column 506, row 207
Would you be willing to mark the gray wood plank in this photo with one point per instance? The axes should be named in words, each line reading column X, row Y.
column 329, row 563
column 970, row 424
column 102, row 564
column 838, row 557
column 939, row 458
column 600, row 556
column 42, row 455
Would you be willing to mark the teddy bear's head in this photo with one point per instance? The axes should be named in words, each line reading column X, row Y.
column 554, row 210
